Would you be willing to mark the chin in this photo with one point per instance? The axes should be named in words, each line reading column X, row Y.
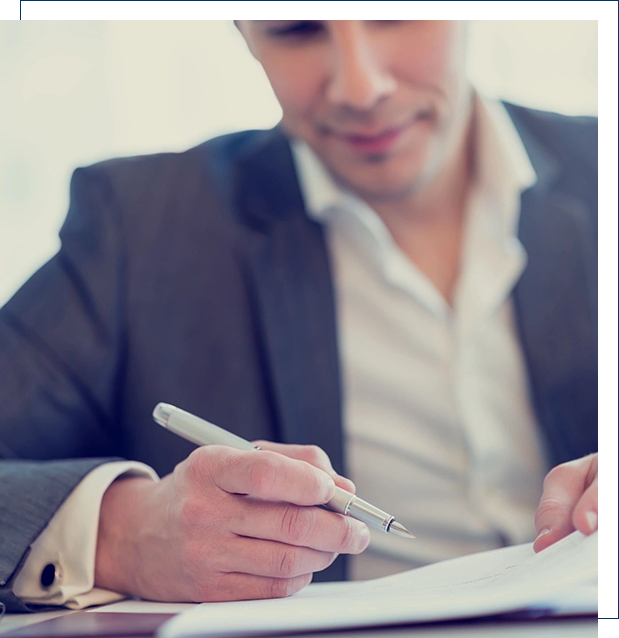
column 387, row 182
column 386, row 193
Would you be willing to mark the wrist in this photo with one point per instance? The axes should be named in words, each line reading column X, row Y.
column 123, row 512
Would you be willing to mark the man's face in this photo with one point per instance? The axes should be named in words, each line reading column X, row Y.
column 382, row 103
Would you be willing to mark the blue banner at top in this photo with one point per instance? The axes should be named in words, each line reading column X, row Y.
column 193, row 9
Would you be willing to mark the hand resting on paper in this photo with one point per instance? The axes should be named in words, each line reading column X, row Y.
column 225, row 525
column 569, row 501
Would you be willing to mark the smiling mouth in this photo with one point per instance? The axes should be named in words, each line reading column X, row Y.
column 373, row 136
column 380, row 141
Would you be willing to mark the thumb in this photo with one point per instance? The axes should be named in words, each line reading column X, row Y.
column 563, row 487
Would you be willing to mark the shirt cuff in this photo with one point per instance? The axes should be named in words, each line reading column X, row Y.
column 60, row 569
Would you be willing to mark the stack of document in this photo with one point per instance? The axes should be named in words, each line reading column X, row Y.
column 562, row 579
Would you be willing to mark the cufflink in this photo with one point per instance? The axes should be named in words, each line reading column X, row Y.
column 51, row 574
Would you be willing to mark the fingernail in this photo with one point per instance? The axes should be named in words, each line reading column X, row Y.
column 545, row 531
column 592, row 520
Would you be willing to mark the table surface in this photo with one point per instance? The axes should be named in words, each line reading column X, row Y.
column 142, row 619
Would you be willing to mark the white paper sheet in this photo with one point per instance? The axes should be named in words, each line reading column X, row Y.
column 561, row 579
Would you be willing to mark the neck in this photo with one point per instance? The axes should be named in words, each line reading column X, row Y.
column 443, row 199
column 428, row 226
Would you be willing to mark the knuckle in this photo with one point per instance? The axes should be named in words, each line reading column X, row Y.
column 200, row 456
column 297, row 523
column 559, row 474
column 314, row 489
column 224, row 461
column 198, row 465
column 263, row 473
column 287, row 562
column 316, row 455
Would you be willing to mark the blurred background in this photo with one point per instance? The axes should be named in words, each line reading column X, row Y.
column 77, row 92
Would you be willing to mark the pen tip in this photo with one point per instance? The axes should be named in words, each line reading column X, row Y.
column 399, row 530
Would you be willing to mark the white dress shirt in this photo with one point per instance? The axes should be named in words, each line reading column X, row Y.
column 438, row 424
column 438, row 421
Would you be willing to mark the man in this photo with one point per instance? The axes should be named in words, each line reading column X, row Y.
column 401, row 266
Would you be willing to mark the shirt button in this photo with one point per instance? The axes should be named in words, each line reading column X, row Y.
column 51, row 573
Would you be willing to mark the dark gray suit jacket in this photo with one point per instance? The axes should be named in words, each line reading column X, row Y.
column 198, row 279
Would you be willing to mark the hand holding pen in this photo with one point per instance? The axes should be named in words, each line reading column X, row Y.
column 344, row 502
column 226, row 524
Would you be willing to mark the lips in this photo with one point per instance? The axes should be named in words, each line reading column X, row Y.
column 372, row 143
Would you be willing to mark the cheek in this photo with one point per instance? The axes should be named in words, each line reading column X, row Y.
column 434, row 59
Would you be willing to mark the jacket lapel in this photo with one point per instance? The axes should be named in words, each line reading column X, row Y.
column 289, row 275
column 555, row 303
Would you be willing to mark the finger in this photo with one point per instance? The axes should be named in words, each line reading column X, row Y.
column 269, row 558
column 311, row 527
column 313, row 455
column 563, row 487
column 344, row 483
column 270, row 476
column 233, row 586
column 585, row 518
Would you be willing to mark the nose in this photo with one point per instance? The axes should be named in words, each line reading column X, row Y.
column 359, row 78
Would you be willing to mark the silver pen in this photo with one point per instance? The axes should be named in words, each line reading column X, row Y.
column 202, row 432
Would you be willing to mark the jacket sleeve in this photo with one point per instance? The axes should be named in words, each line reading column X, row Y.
column 61, row 361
